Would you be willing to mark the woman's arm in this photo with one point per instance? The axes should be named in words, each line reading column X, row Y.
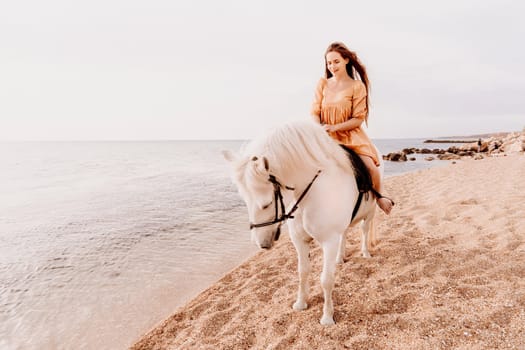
column 315, row 111
column 350, row 124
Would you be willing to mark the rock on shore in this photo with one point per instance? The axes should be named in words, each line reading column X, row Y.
column 500, row 145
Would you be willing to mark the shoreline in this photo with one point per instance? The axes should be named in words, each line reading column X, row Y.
column 449, row 141
column 447, row 272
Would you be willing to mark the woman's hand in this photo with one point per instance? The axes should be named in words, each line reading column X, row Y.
column 330, row 128
column 350, row 124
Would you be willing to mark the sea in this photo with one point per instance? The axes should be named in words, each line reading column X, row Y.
column 101, row 241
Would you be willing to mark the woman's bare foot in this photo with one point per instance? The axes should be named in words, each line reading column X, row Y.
column 385, row 204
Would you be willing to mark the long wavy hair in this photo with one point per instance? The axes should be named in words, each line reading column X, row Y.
column 355, row 69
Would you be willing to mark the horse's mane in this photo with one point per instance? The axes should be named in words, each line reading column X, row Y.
column 299, row 145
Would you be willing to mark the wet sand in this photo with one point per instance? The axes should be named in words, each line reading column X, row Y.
column 448, row 272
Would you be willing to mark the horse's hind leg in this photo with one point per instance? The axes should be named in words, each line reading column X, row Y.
column 300, row 241
column 340, row 259
column 367, row 236
column 330, row 249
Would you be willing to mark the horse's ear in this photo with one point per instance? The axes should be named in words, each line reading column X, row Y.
column 229, row 156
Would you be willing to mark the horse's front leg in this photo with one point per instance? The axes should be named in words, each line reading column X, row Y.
column 300, row 241
column 367, row 236
column 330, row 251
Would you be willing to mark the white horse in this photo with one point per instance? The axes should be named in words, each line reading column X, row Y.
column 300, row 162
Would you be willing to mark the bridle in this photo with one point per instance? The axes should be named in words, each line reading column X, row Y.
column 278, row 199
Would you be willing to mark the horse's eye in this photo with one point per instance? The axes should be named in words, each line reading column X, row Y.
column 266, row 206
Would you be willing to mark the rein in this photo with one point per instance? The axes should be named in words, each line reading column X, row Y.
column 278, row 197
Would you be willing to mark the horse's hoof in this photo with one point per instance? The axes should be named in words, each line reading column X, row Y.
column 366, row 255
column 300, row 306
column 327, row 321
column 340, row 261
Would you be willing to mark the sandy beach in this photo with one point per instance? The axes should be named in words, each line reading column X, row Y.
column 448, row 272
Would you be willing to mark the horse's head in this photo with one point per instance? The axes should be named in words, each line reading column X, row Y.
column 251, row 176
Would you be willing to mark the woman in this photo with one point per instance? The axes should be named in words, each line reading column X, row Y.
column 341, row 106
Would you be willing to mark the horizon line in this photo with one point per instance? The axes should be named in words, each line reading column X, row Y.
column 248, row 139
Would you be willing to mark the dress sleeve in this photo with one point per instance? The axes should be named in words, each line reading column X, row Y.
column 318, row 98
column 359, row 108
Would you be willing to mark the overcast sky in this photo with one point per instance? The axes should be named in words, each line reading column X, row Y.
column 128, row 69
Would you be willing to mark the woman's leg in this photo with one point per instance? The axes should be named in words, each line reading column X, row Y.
column 384, row 203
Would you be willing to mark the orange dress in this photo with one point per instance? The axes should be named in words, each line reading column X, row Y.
column 346, row 104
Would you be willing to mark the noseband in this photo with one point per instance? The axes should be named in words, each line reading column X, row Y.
column 278, row 199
